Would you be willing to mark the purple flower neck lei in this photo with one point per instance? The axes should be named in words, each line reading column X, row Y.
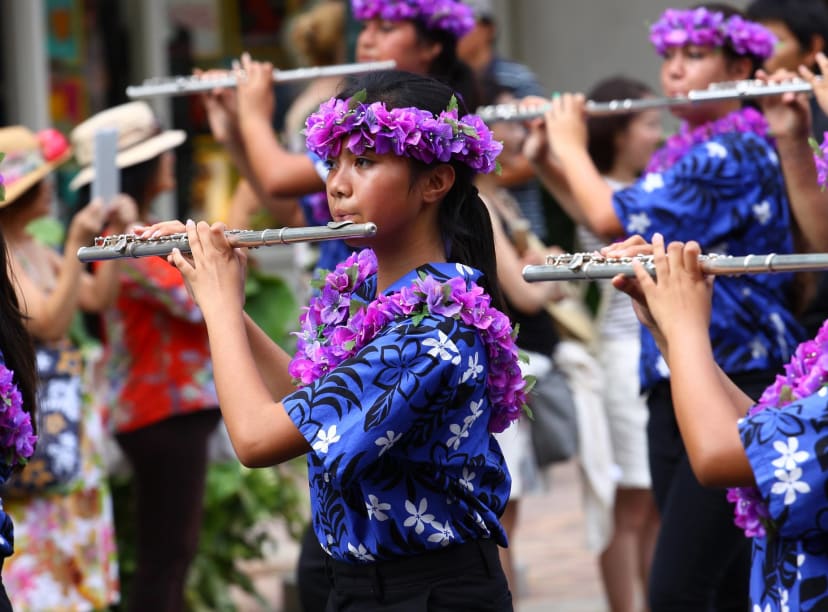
column 705, row 28
column 333, row 328
column 743, row 120
column 17, row 437
column 805, row 374
column 821, row 159
column 450, row 16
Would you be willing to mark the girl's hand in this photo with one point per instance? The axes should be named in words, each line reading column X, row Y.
column 86, row 224
column 788, row 114
column 632, row 246
column 162, row 228
column 221, row 106
column 535, row 144
column 566, row 123
column 123, row 213
column 215, row 271
column 677, row 300
column 256, row 97
column 818, row 84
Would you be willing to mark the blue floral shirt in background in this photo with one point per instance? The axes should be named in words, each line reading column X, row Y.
column 402, row 460
column 788, row 451
column 729, row 196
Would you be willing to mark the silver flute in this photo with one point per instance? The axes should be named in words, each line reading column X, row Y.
column 183, row 85
column 130, row 245
column 730, row 90
column 579, row 266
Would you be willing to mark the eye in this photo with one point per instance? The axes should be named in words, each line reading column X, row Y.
column 387, row 26
column 363, row 162
column 329, row 164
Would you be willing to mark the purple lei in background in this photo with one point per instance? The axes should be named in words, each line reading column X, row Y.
column 410, row 132
column 805, row 374
column 702, row 27
column 319, row 211
column 17, row 437
column 334, row 329
column 743, row 120
column 450, row 16
column 821, row 159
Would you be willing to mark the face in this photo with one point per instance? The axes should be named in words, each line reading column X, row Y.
column 693, row 67
column 787, row 53
column 639, row 141
column 166, row 172
column 382, row 40
column 374, row 188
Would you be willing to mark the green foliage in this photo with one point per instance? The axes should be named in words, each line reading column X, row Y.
column 237, row 500
column 271, row 304
column 47, row 230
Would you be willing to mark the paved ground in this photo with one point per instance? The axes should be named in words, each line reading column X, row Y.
column 556, row 571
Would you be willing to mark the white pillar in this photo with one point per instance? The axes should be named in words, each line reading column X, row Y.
column 25, row 63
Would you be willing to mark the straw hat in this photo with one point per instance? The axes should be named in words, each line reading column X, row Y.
column 139, row 138
column 29, row 157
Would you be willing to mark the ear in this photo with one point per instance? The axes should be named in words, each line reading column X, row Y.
column 437, row 183
column 740, row 68
column 430, row 51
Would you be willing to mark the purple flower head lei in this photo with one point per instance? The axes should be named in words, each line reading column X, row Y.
column 450, row 16
column 17, row 437
column 700, row 26
column 332, row 328
column 805, row 374
column 410, row 132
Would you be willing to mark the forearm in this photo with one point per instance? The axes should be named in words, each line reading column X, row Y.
column 280, row 173
column 271, row 360
column 515, row 170
column 707, row 407
column 809, row 204
column 590, row 192
column 99, row 290
column 49, row 318
column 261, row 431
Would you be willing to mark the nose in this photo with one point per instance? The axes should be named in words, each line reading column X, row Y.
column 338, row 183
column 366, row 37
column 674, row 66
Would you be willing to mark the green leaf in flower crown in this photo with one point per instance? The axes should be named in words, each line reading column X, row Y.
column 470, row 131
column 452, row 105
column 356, row 99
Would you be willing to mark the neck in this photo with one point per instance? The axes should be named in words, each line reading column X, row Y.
column 394, row 262
column 14, row 227
column 624, row 174
column 720, row 110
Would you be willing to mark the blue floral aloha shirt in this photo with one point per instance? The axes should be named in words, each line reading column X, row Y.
column 729, row 196
column 788, row 451
column 402, row 461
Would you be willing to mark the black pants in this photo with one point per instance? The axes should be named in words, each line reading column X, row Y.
column 169, row 462
column 702, row 560
column 465, row 577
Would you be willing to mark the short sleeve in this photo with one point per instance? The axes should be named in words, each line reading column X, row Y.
column 788, row 451
column 405, row 384
column 718, row 187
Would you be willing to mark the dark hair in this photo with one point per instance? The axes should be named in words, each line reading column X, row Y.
column 135, row 182
column 464, row 220
column 729, row 52
column 804, row 18
column 448, row 67
column 603, row 130
column 15, row 341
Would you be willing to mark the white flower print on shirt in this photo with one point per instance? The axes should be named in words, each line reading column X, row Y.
column 474, row 370
column 360, row 552
column 466, row 480
column 638, row 224
column 387, row 441
column 444, row 533
column 476, row 412
column 790, row 455
column 444, row 348
column 789, row 484
column 715, row 149
column 652, row 182
column 376, row 508
column 460, row 432
column 326, row 438
column 418, row 519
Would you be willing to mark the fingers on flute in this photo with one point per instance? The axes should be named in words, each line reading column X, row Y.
column 691, row 259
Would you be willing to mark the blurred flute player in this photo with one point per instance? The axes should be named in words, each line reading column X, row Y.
column 720, row 179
